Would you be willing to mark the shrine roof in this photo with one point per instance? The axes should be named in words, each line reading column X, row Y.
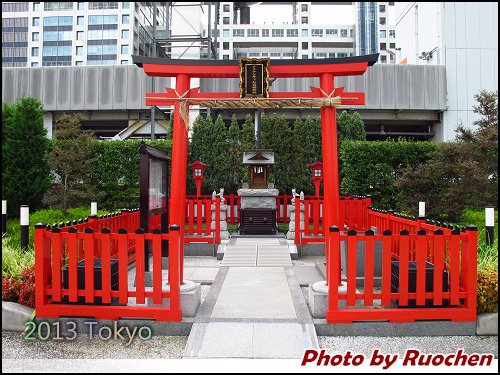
column 258, row 157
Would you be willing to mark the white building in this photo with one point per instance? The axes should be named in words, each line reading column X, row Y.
column 463, row 36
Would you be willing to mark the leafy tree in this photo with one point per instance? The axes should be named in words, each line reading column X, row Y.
column 248, row 134
column 71, row 159
column 235, row 156
column 25, row 170
column 357, row 127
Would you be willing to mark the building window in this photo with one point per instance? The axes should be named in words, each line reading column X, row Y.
column 103, row 5
column 332, row 32
column 351, row 32
column 79, row 20
column 124, row 34
column 383, row 46
column 58, row 6
column 392, row 45
column 292, row 33
column 383, row 34
column 125, row 49
column 125, row 19
column 79, row 35
column 78, row 63
column 382, row 21
column 35, row 51
column 381, row 8
column 305, row 33
column 288, row 55
column 391, row 58
column 303, row 7
column 225, row 57
column 225, row 33
column 126, row 5
column 36, row 7
column 124, row 62
column 331, row 54
column 305, row 56
column 253, row 33
column 320, row 55
column 304, row 20
column 34, row 64
column 317, row 32
column 81, row 6
column 305, row 45
column 225, row 45
column 342, row 54
column 392, row 33
column 278, row 33
column 35, row 37
column 343, row 33
column 226, row 8
column 240, row 33
column 36, row 21
column 79, row 51
column 225, row 20
column 265, row 33
column 275, row 54
column 383, row 59
column 253, row 54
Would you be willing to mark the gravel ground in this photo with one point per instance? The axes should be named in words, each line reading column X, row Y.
column 398, row 345
column 15, row 347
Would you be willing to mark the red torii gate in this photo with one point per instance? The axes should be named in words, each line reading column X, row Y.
column 184, row 70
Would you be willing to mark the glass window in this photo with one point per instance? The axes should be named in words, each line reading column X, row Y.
column 226, row 8
column 253, row 32
column 382, row 20
column 332, row 32
column 125, row 49
column 265, row 54
column 392, row 33
column 225, row 33
column 383, row 34
column 58, row 6
column 125, row 18
column 303, row 7
column 275, row 54
column 35, row 51
column 36, row 21
column 292, row 33
column 225, row 45
column 320, row 55
column 79, row 51
column 317, row 32
column 36, row 7
column 253, row 54
column 305, row 56
column 35, row 37
column 331, row 55
column 81, row 6
column 288, row 54
column 79, row 20
column 103, row 5
column 225, row 57
column 391, row 58
column 381, row 8
column 58, row 21
column 225, row 20
column 382, row 46
column 238, row 32
column 34, row 64
column 305, row 45
column 79, row 63
column 265, row 33
column 126, row 5
column 124, row 62
column 124, row 34
column 79, row 35
column 305, row 33
column 278, row 33
column 351, row 32
column 383, row 59
column 343, row 33
column 304, row 20
column 392, row 45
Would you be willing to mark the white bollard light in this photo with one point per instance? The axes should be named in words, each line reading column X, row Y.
column 93, row 208
column 421, row 209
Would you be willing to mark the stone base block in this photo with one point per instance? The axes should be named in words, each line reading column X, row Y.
column 290, row 235
column 14, row 315
column 258, row 202
column 318, row 298
column 190, row 299
column 487, row 324
column 223, row 225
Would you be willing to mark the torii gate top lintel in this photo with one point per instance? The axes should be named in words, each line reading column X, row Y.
column 345, row 66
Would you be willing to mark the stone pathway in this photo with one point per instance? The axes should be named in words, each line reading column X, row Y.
column 255, row 307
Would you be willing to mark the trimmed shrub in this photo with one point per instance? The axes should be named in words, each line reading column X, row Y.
column 487, row 290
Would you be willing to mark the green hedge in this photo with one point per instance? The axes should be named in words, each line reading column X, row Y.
column 372, row 167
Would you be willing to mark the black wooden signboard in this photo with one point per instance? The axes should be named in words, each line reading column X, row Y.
column 254, row 78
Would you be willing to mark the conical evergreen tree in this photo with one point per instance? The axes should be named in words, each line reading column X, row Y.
column 235, row 156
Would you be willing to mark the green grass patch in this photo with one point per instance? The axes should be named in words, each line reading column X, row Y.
column 14, row 259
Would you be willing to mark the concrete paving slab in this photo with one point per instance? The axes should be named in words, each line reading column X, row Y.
column 257, row 241
column 307, row 275
column 203, row 275
column 282, row 340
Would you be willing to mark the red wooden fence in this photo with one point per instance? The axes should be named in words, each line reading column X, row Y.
column 454, row 252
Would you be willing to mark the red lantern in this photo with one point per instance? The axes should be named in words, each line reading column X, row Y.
column 198, row 169
column 317, row 175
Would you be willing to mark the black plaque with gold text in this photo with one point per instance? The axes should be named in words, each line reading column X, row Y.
column 254, row 78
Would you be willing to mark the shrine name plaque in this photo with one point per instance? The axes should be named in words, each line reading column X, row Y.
column 254, row 78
